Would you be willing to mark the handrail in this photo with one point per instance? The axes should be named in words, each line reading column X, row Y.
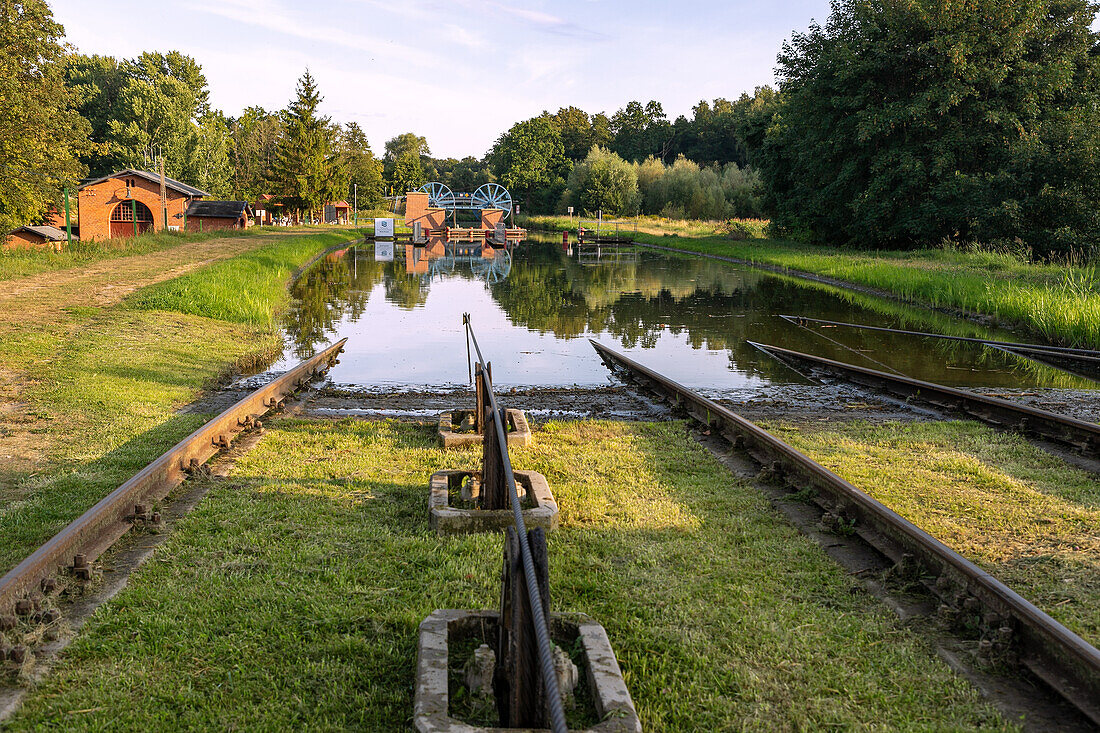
column 542, row 632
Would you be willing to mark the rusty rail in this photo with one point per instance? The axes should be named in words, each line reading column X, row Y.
column 803, row 320
column 75, row 547
column 1080, row 365
column 971, row 596
column 1066, row 431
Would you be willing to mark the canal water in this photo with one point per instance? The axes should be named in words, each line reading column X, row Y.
column 535, row 305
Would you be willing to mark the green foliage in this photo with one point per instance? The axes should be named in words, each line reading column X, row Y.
column 364, row 170
column 407, row 173
column 41, row 134
column 530, row 156
column 256, row 136
column 908, row 123
column 460, row 175
column 213, row 166
column 603, row 182
column 638, row 132
column 161, row 99
column 248, row 289
column 403, row 162
column 684, row 190
column 308, row 171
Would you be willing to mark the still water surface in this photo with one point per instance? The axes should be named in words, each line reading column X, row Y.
column 535, row 305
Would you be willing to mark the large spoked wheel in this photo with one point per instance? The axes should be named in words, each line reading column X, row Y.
column 493, row 196
column 439, row 194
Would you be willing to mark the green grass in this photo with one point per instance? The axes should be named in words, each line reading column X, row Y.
column 1058, row 303
column 248, row 289
column 15, row 263
column 1020, row 513
column 290, row 597
column 104, row 395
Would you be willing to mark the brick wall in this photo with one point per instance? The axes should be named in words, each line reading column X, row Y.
column 99, row 200
column 212, row 223
column 491, row 217
column 417, row 209
column 29, row 240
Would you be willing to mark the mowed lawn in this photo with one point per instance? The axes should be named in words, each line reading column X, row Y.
column 290, row 598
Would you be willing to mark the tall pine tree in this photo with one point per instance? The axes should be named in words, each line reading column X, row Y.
column 307, row 170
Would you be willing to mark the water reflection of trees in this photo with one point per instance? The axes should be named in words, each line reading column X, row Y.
column 334, row 289
column 708, row 305
column 717, row 307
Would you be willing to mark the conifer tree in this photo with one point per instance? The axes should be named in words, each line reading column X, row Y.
column 307, row 171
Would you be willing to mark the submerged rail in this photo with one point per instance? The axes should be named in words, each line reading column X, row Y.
column 1065, row 431
column 974, row 598
column 803, row 320
column 75, row 547
column 542, row 631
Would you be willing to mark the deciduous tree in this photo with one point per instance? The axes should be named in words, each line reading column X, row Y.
column 907, row 122
column 41, row 133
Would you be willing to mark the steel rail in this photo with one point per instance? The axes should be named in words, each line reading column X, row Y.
column 1060, row 429
column 76, row 546
column 1080, row 365
column 802, row 320
column 1066, row 662
column 542, row 631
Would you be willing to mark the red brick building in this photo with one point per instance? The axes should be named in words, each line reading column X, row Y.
column 35, row 237
column 209, row 216
column 110, row 205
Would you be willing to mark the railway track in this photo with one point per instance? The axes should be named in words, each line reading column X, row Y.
column 1068, row 432
column 1010, row 628
column 68, row 555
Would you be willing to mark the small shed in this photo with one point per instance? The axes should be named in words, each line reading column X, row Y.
column 336, row 212
column 35, row 237
column 207, row 216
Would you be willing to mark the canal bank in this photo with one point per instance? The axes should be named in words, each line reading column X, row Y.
column 97, row 361
column 1056, row 302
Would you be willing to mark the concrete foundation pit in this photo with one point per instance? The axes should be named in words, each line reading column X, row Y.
column 607, row 692
column 456, row 428
column 448, row 519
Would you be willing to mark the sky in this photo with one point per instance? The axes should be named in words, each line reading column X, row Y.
column 459, row 72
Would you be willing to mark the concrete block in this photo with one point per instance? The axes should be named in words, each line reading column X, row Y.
column 519, row 432
column 446, row 519
column 431, row 701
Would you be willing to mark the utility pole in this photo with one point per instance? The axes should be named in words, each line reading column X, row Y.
column 355, row 201
column 68, row 221
column 163, row 194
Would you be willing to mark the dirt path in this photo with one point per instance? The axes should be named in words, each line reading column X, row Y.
column 39, row 313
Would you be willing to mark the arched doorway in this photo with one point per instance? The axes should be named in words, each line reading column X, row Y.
column 122, row 219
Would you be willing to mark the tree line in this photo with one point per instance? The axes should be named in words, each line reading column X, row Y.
column 895, row 124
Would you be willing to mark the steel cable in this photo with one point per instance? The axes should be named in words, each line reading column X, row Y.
column 542, row 632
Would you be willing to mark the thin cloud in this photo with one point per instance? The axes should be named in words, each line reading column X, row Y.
column 266, row 15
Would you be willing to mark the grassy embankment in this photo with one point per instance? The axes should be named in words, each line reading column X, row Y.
column 101, row 385
column 15, row 263
column 1058, row 303
column 1015, row 510
column 300, row 581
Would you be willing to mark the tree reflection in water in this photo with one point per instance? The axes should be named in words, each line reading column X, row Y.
column 636, row 299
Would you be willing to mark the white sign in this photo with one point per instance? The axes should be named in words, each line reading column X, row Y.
column 383, row 228
column 570, row 211
column 260, row 213
column 173, row 227
column 383, row 251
